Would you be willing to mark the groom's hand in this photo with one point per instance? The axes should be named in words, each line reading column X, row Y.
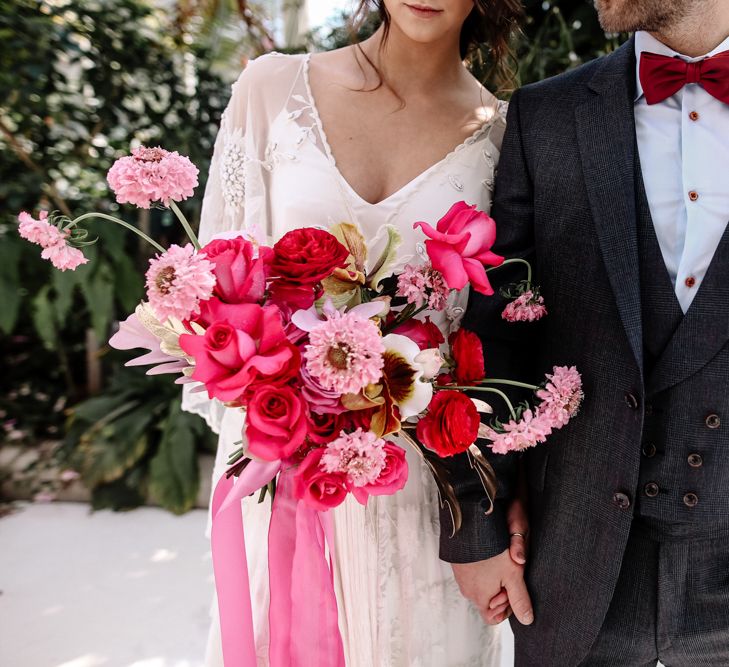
column 482, row 582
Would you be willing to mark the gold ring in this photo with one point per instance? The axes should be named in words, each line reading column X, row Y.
column 518, row 535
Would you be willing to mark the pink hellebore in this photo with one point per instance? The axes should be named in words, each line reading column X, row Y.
column 460, row 247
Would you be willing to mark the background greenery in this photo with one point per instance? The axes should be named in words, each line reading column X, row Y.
column 80, row 81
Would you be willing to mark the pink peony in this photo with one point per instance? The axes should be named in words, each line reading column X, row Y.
column 561, row 396
column 529, row 431
column 527, row 308
column 177, row 281
column 240, row 274
column 345, row 352
column 317, row 488
column 150, row 175
column 460, row 247
column 246, row 347
column 64, row 256
column 40, row 232
column 359, row 455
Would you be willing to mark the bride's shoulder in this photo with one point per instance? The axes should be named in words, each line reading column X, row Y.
column 268, row 73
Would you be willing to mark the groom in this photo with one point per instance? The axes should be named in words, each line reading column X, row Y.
column 614, row 178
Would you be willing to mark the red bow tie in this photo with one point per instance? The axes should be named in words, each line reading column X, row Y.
column 662, row 76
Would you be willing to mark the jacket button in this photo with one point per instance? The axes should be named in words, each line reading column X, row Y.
column 631, row 401
column 621, row 500
column 652, row 489
column 713, row 421
column 695, row 460
column 648, row 409
column 690, row 500
column 649, row 450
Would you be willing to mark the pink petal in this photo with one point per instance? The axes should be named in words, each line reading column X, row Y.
column 446, row 260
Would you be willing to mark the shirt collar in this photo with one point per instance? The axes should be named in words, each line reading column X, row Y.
column 644, row 41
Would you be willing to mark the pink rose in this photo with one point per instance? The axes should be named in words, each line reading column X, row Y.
column 245, row 347
column 424, row 333
column 276, row 423
column 240, row 277
column 392, row 478
column 460, row 247
column 319, row 489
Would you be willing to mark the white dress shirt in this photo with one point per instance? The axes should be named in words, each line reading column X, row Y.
column 683, row 144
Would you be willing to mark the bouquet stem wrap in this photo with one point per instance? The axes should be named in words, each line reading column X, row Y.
column 303, row 610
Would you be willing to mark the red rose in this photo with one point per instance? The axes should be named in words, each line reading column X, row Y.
column 451, row 425
column 324, row 428
column 276, row 423
column 240, row 277
column 240, row 349
column 306, row 256
column 426, row 334
column 467, row 352
column 392, row 478
column 318, row 489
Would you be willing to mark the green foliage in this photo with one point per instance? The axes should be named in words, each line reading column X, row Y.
column 134, row 440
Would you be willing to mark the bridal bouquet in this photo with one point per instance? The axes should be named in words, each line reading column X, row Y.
column 320, row 343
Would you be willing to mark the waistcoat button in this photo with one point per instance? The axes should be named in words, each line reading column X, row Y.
column 621, row 500
column 649, row 450
column 695, row 460
column 690, row 500
column 652, row 489
column 631, row 401
column 713, row 421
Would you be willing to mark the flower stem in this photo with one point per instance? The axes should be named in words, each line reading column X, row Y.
column 104, row 216
column 515, row 260
column 490, row 390
column 185, row 224
column 511, row 383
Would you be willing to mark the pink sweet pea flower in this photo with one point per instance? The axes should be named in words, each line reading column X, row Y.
column 460, row 247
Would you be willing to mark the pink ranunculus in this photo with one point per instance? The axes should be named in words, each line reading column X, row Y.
column 152, row 174
column 424, row 333
column 240, row 273
column 276, row 423
column 460, row 247
column 317, row 488
column 247, row 346
column 392, row 479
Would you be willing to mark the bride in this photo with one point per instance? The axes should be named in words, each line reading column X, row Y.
column 390, row 131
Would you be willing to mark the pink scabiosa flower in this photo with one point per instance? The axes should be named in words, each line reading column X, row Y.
column 518, row 435
column 359, row 455
column 40, row 231
column 345, row 350
column 422, row 284
column 561, row 396
column 152, row 174
column 529, row 307
column 64, row 256
column 177, row 281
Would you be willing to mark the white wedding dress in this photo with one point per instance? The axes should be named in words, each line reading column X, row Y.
column 272, row 171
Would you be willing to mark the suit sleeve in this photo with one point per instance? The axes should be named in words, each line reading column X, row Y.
column 507, row 354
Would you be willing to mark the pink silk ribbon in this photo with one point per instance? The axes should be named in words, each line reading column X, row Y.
column 303, row 611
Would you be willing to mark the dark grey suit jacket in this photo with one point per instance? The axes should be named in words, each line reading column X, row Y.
column 566, row 197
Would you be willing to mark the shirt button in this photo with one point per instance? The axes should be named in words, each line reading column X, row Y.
column 693, row 195
column 695, row 460
column 621, row 500
column 631, row 401
column 713, row 421
column 690, row 282
column 690, row 500
column 649, row 450
column 651, row 489
column 694, row 116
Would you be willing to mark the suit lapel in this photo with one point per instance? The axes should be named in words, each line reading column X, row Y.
column 606, row 135
column 703, row 331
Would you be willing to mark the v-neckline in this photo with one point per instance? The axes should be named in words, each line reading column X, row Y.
column 412, row 182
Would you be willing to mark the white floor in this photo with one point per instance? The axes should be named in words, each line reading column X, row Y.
column 113, row 589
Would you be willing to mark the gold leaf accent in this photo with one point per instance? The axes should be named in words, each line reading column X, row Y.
column 485, row 472
column 353, row 240
column 168, row 332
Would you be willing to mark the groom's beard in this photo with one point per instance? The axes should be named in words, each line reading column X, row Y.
column 650, row 15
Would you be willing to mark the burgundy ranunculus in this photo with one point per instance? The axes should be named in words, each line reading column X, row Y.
column 324, row 428
column 451, row 425
column 467, row 351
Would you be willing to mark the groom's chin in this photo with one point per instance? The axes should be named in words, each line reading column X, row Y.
column 633, row 15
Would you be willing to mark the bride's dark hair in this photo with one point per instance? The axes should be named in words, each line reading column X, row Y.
column 489, row 27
